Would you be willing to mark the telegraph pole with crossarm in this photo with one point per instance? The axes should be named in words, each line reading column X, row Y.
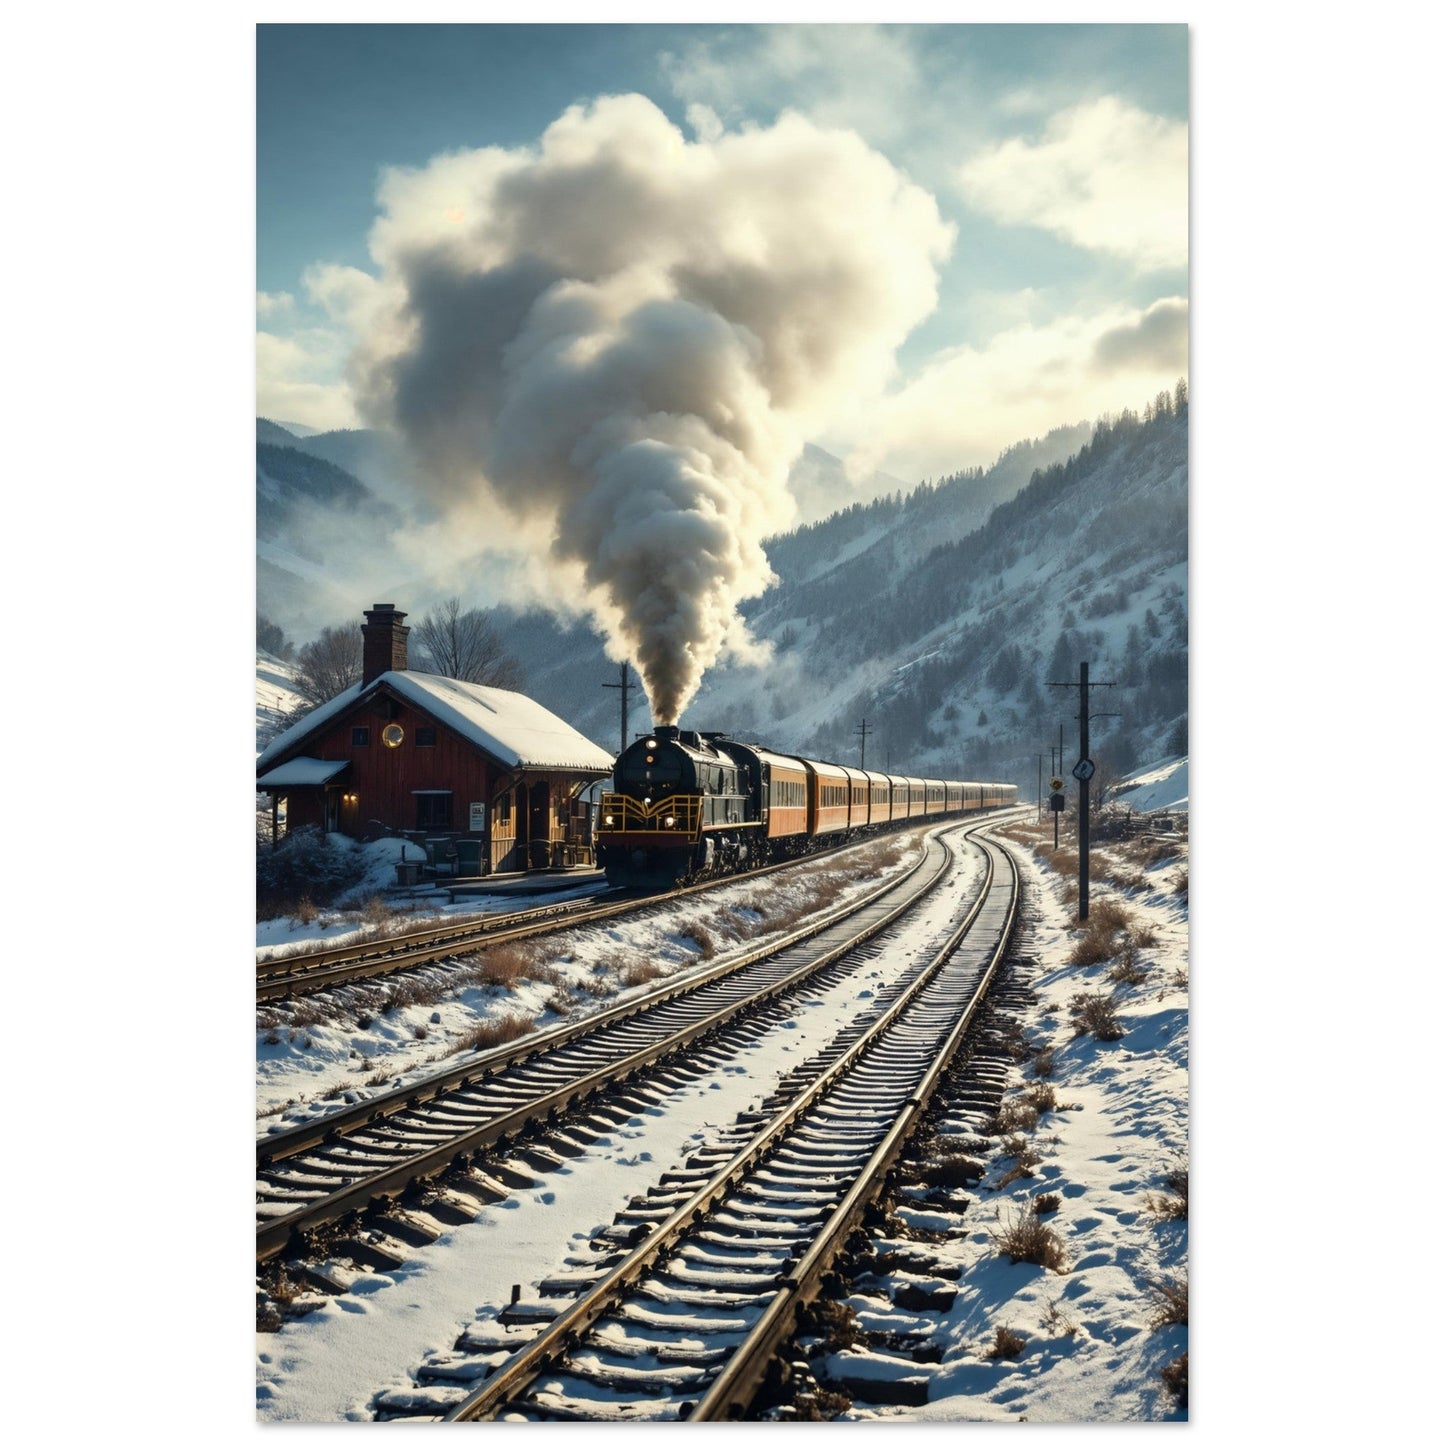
column 623, row 685
column 862, row 731
column 1083, row 770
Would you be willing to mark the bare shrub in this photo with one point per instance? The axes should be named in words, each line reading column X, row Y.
column 410, row 992
column 305, row 912
column 419, row 1033
column 1100, row 940
column 1047, row 1203
column 1175, row 1204
column 1097, row 1014
column 560, row 1002
column 378, row 914
column 1041, row 1098
column 1043, row 1063
column 1024, row 1155
column 642, row 971
column 1181, row 883
column 491, row 1033
column 1173, row 1300
column 1143, row 935
column 509, row 965
column 1026, row 1239
column 1127, row 968
column 1056, row 1322
column 1013, row 1115
column 1006, row 1344
column 699, row 937
column 1176, row 1379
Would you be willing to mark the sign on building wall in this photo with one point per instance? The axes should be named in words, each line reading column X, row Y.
column 478, row 822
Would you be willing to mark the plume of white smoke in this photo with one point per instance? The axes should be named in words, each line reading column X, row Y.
column 626, row 337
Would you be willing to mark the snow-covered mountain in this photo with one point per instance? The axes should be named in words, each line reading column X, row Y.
column 937, row 616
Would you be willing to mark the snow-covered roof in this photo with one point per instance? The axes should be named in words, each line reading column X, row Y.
column 301, row 773
column 509, row 726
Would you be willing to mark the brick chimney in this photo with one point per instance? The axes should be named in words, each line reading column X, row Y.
column 383, row 642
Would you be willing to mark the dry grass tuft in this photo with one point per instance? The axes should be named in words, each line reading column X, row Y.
column 1013, row 1115
column 639, row 972
column 699, row 937
column 491, row 1033
column 305, row 912
column 1056, row 1322
column 1127, row 968
column 1026, row 1239
column 1176, row 1379
column 1097, row 1014
column 1041, row 1098
column 1173, row 1306
column 1047, row 1203
column 509, row 965
column 1101, row 938
column 1043, row 1063
column 1006, row 1345
column 1175, row 1204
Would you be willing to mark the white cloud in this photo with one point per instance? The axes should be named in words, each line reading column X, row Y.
column 274, row 304
column 296, row 379
column 860, row 77
column 969, row 403
column 1105, row 176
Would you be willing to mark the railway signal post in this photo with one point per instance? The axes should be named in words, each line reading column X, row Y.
column 1083, row 770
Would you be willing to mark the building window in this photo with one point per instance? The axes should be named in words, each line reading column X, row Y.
column 434, row 810
column 361, row 737
column 426, row 737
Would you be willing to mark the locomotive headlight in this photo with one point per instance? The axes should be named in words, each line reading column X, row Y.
column 609, row 820
column 669, row 821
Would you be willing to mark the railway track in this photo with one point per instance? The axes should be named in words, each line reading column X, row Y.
column 704, row 1281
column 325, row 1172
column 294, row 975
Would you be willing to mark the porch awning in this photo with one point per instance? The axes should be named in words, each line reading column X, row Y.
column 301, row 773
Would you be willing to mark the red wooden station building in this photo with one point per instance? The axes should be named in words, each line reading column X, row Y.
column 477, row 769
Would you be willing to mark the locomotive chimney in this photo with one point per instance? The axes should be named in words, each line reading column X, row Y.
column 383, row 642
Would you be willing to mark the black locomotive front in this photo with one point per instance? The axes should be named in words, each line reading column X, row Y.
column 678, row 800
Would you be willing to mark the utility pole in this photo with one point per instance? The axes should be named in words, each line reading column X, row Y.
column 1039, row 816
column 623, row 687
column 1083, row 771
column 862, row 731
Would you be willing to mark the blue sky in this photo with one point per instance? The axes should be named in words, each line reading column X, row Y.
column 1057, row 155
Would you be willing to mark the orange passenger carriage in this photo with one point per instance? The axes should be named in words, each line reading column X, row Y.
column 828, row 794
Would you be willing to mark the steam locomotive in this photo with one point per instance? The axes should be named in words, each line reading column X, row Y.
column 691, row 802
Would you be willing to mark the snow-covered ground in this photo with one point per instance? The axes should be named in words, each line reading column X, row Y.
column 1162, row 788
column 1120, row 1126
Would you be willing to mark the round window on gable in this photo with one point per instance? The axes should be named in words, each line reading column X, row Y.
column 393, row 735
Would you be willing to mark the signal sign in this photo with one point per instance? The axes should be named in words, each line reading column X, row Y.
column 1056, row 783
column 1084, row 769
